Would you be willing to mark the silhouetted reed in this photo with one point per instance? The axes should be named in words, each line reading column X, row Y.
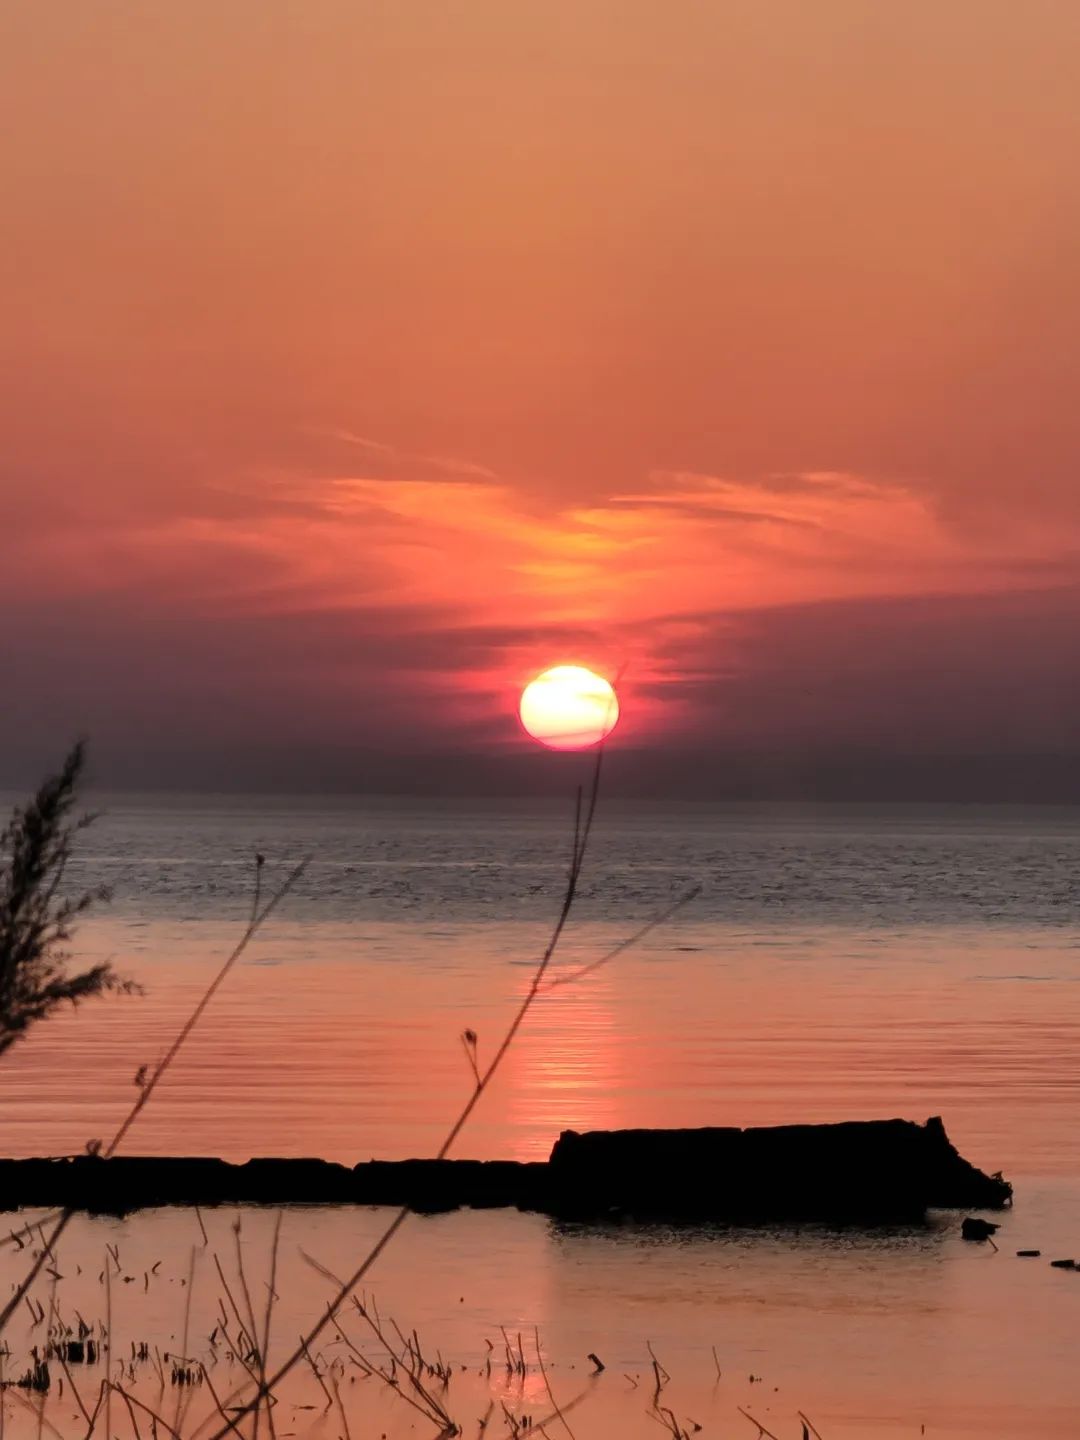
column 584, row 817
column 151, row 1079
column 36, row 918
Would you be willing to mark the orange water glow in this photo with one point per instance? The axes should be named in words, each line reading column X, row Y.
column 332, row 1039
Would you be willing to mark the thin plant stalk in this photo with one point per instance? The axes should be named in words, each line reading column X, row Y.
column 243, row 1338
column 59, row 1353
column 102, row 1388
column 147, row 1089
column 217, row 1402
column 180, row 1390
column 547, row 1386
column 762, row 1432
column 38, row 1414
column 584, row 816
column 108, row 1348
column 583, row 823
column 159, row 1419
column 314, row 1371
column 624, row 945
column 264, row 1345
column 131, row 1411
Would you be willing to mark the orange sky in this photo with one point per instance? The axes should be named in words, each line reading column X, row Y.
column 356, row 361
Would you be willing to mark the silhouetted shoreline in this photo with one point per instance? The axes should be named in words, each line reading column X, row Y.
column 856, row 1171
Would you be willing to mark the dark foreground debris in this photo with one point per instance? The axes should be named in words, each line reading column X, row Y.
column 972, row 1228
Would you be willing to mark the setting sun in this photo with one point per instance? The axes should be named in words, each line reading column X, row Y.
column 569, row 708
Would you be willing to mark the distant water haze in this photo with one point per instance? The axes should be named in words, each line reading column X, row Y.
column 838, row 963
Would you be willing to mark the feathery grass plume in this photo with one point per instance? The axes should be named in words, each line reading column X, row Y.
column 36, row 919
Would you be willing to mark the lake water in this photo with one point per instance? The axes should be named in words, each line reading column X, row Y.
column 838, row 963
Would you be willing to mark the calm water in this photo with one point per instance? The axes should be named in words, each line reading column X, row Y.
column 838, row 964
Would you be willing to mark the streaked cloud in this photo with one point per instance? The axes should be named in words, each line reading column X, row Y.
column 482, row 586
column 407, row 460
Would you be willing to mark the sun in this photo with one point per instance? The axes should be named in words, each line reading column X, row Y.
column 569, row 708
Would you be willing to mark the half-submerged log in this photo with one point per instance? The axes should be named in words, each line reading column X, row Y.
column 858, row 1170
column 873, row 1170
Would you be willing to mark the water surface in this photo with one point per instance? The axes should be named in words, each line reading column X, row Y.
column 839, row 963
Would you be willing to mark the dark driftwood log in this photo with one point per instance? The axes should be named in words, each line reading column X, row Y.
column 870, row 1170
column 858, row 1170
